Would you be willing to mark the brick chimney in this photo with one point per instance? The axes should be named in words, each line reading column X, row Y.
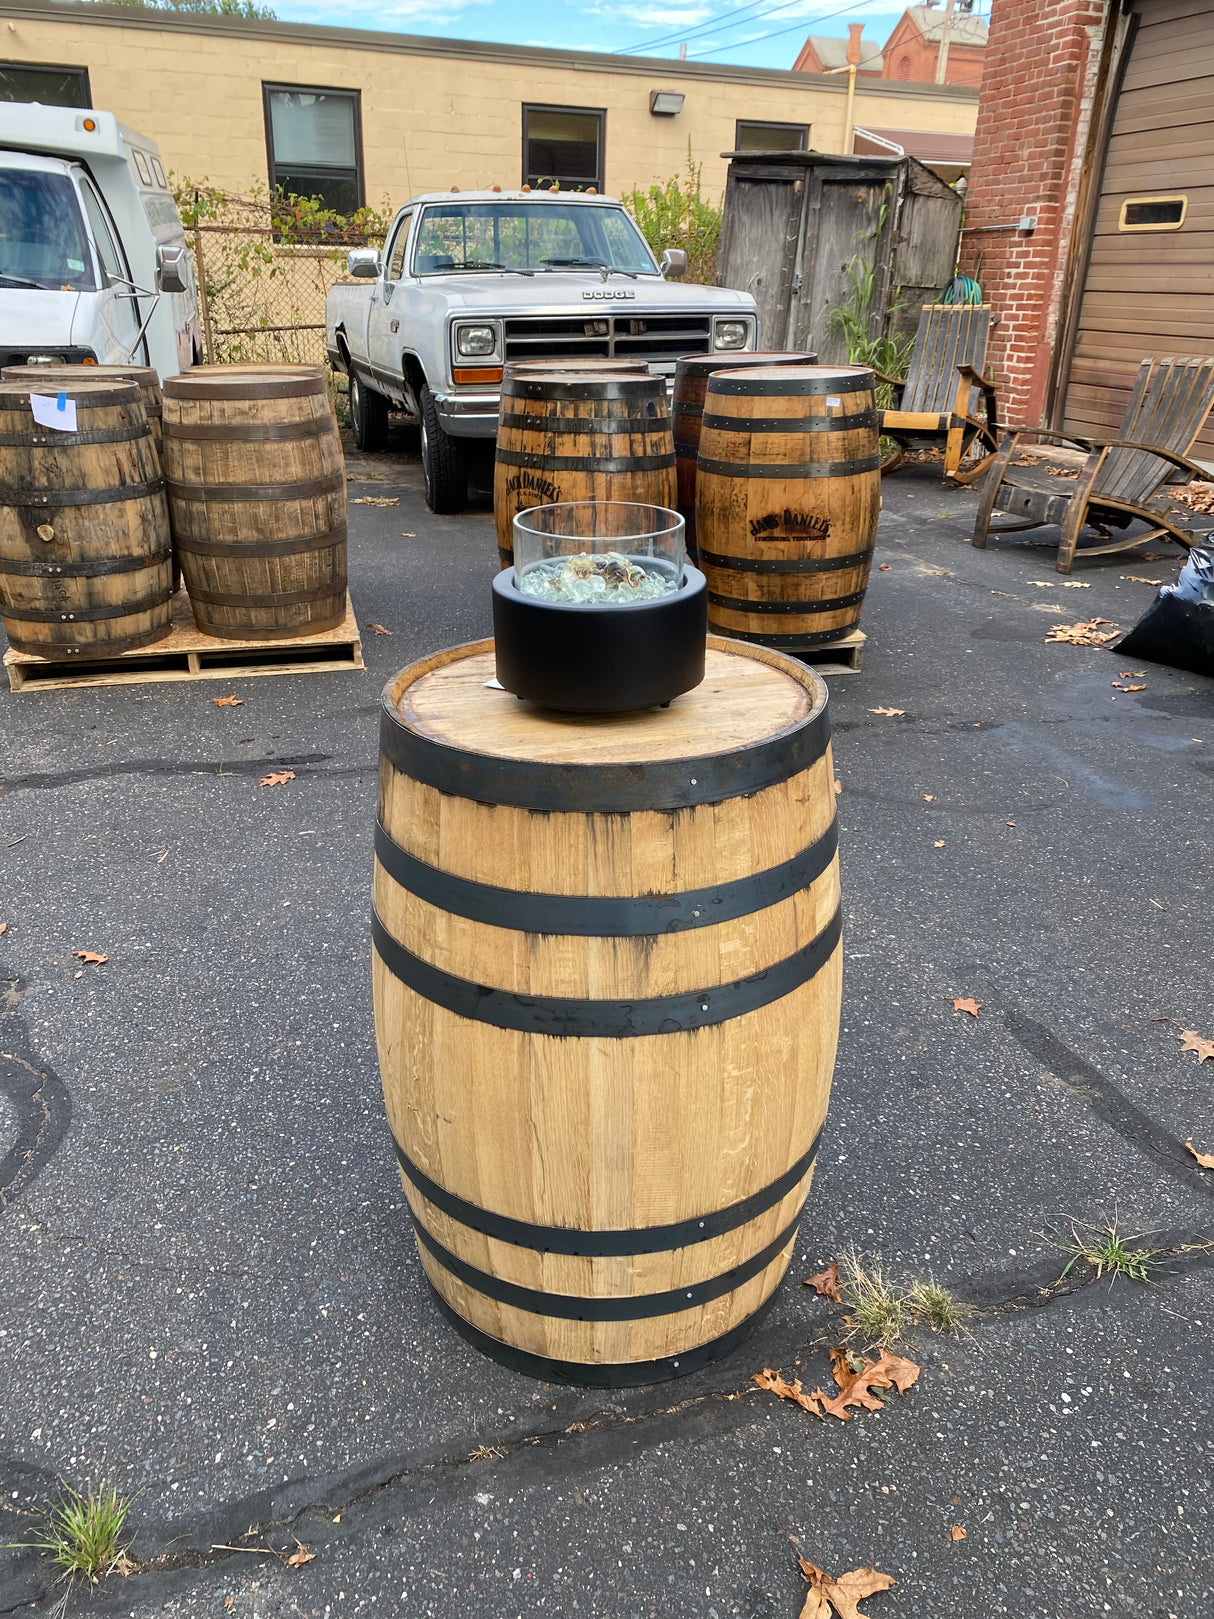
column 854, row 30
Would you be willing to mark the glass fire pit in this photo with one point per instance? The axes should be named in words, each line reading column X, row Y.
column 601, row 612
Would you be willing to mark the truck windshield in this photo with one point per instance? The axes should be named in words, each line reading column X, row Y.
column 42, row 237
column 528, row 236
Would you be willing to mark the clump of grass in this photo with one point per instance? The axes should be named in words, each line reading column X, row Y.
column 880, row 1310
column 933, row 1305
column 82, row 1533
column 1106, row 1249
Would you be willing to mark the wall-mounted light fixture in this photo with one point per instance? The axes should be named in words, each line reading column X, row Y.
column 666, row 103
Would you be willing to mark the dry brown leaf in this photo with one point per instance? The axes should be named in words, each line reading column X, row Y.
column 887, row 711
column 1190, row 1040
column 3, row 927
column 1128, row 685
column 816, row 1605
column 1205, row 1159
column 228, row 702
column 1087, row 633
column 957, row 1532
column 939, row 843
column 277, row 777
column 1076, row 584
column 1137, row 579
column 792, row 1392
column 378, row 628
column 825, row 1283
column 838, row 786
column 229, row 1602
column 884, row 567
column 92, row 957
column 890, row 1371
column 407, row 534
column 1063, row 472
column 376, row 500
column 850, row 1589
column 300, row 1556
column 929, row 798
column 968, row 1004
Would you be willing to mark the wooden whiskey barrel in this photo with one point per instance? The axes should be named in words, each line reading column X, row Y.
column 257, row 499
column 606, row 976
column 687, row 409
column 788, row 491
column 145, row 376
column 85, row 558
column 561, row 437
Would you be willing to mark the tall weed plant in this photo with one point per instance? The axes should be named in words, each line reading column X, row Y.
column 858, row 312
column 677, row 214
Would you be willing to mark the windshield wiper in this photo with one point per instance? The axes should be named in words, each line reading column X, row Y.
column 20, row 281
column 591, row 264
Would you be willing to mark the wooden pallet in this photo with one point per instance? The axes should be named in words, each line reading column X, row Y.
column 842, row 657
column 187, row 654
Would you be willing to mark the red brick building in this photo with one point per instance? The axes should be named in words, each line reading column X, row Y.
column 1090, row 209
column 912, row 50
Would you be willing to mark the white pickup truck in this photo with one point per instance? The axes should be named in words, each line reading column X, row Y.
column 471, row 280
column 94, row 264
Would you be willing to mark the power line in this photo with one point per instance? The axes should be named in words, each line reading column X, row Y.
column 796, row 27
column 713, row 22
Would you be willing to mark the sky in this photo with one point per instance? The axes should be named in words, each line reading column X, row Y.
column 761, row 33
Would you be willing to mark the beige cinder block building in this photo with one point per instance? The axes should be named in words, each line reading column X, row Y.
column 355, row 116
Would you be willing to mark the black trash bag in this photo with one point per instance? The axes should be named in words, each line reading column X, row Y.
column 1178, row 627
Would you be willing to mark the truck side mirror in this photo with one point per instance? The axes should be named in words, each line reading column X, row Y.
column 674, row 264
column 363, row 262
column 172, row 273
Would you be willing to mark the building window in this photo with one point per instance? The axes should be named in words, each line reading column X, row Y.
column 52, row 86
column 314, row 141
column 563, row 145
column 1153, row 213
column 750, row 136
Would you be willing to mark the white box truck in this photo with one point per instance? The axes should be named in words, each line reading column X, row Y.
column 94, row 263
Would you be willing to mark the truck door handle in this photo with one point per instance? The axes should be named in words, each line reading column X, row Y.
column 394, row 326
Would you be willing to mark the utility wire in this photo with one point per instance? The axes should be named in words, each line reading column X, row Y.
column 725, row 20
column 796, row 27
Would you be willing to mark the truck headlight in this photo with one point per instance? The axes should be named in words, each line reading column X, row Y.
column 475, row 340
column 731, row 334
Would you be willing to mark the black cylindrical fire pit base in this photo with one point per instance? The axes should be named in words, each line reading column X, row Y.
column 600, row 660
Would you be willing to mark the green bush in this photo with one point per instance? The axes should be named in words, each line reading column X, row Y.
column 677, row 215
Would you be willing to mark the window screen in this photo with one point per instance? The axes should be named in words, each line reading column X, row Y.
column 1153, row 213
column 563, row 144
column 751, row 136
column 314, row 143
column 52, row 86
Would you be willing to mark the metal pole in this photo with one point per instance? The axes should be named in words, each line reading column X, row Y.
column 849, row 112
column 204, row 303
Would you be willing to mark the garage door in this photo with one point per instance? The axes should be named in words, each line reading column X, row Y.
column 1149, row 287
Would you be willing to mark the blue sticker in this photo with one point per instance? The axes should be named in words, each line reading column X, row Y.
column 62, row 401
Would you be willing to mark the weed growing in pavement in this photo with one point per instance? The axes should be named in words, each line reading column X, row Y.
column 1104, row 1248
column 934, row 1306
column 81, row 1533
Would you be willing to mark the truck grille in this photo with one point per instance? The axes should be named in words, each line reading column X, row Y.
column 643, row 337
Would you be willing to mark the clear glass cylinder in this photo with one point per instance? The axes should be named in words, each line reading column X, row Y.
column 598, row 553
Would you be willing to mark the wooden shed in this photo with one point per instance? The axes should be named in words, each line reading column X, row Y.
column 799, row 225
column 1144, row 269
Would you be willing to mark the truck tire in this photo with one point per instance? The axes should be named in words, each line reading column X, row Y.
column 443, row 464
column 368, row 416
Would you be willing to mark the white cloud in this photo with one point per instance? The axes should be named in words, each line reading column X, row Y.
column 386, row 14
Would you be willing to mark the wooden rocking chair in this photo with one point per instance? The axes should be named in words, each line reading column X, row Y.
column 1121, row 479
column 940, row 395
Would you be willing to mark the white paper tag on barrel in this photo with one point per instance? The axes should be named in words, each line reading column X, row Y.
column 54, row 410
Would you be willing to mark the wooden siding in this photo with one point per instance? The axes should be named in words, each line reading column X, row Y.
column 1151, row 292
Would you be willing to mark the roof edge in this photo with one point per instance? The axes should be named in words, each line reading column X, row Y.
column 62, row 11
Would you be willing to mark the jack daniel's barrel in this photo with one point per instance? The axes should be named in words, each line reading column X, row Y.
column 257, row 497
column 562, row 436
column 606, row 975
column 85, row 559
column 788, row 493
column 687, row 409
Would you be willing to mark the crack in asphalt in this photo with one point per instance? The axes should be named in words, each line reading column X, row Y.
column 43, row 1111
column 167, row 767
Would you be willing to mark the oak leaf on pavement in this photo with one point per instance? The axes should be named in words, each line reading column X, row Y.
column 825, row 1283
column 1205, row 1159
column 300, row 1556
column 887, row 711
column 276, row 778
column 228, row 702
column 3, row 927
column 93, row 957
column 957, row 1532
column 1190, row 1040
column 843, row 1594
column 378, row 628
column 855, row 1387
column 792, row 1392
column 967, row 1004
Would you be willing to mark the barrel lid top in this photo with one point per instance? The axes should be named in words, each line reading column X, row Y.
column 710, row 363
column 792, row 379
column 749, row 697
column 558, row 384
column 85, row 373
column 105, row 391
column 246, row 382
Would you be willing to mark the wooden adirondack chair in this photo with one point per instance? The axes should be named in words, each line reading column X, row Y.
column 939, row 397
column 1121, row 479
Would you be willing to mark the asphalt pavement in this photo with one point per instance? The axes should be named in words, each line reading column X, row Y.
column 209, row 1293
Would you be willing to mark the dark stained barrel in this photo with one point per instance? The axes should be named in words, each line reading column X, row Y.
column 562, row 436
column 687, row 409
column 85, row 558
column 606, row 972
column 257, row 498
column 788, row 491
column 145, row 376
